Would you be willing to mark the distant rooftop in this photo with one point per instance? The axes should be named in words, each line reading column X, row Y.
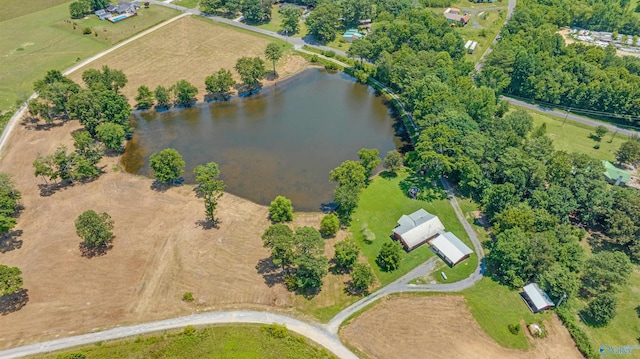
column 614, row 173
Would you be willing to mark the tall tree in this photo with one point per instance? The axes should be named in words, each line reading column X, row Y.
column 370, row 159
column 209, row 7
column 112, row 135
column 10, row 280
column 346, row 253
column 144, row 98
column 602, row 309
column 390, row 255
column 167, row 165
column 324, row 21
column 219, row 83
column 95, row 229
column 251, row 70
column 273, row 53
column 279, row 238
column 629, row 152
column 351, row 178
column 184, row 93
column 210, row 187
column 163, row 97
column 606, row 272
column 290, row 20
column 393, row 161
column 281, row 210
column 362, row 277
column 9, row 203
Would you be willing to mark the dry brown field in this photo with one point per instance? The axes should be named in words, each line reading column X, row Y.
column 190, row 48
column 441, row 326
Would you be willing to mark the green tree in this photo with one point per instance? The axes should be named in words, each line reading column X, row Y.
column 9, row 203
column 324, row 21
column 251, row 70
column 351, row 178
column 144, row 98
column 629, row 152
column 253, row 11
column 606, row 272
column 602, row 309
column 279, row 238
column 87, row 147
column 308, row 241
column 509, row 257
column 558, row 281
column 210, row 187
column 167, row 165
column 111, row 79
column 361, row 49
column 112, row 135
column 329, row 225
column 310, row 271
column 220, row 83
column 209, row 7
column 362, row 277
column 273, row 53
column 94, row 107
column 184, row 93
column 390, row 255
column 10, row 280
column 601, row 131
column 95, row 229
column 498, row 197
column 163, row 97
column 281, row 210
column 78, row 10
column 290, row 20
column 393, row 161
column 346, row 253
column 370, row 158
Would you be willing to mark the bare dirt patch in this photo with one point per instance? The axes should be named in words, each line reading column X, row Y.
column 159, row 251
column 441, row 326
column 190, row 48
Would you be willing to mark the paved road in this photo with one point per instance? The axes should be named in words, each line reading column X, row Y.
column 572, row 117
column 311, row 331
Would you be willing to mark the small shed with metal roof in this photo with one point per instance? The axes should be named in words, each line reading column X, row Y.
column 450, row 248
column 535, row 298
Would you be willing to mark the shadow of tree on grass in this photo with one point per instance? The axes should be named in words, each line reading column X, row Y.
column 90, row 252
column 14, row 302
column 271, row 273
column 9, row 241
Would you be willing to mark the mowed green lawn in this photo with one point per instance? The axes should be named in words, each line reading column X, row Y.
column 187, row 3
column 574, row 137
column 624, row 329
column 34, row 43
column 15, row 8
column 495, row 306
column 276, row 21
column 380, row 206
column 230, row 341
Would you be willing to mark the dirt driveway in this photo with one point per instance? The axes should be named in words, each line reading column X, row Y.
column 441, row 326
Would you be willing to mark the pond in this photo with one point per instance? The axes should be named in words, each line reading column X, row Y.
column 282, row 141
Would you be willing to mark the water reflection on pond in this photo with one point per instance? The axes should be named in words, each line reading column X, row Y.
column 283, row 141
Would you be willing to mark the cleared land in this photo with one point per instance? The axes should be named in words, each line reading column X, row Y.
column 39, row 41
column 424, row 326
column 12, row 8
column 234, row 341
column 190, row 48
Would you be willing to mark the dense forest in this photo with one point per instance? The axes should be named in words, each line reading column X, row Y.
column 532, row 61
column 539, row 201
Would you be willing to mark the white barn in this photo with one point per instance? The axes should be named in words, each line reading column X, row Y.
column 450, row 248
column 417, row 228
column 535, row 298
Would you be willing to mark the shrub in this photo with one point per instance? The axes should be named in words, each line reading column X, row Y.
column 329, row 225
column 281, row 210
column 579, row 336
column 87, row 31
column 314, row 58
column 514, row 328
column 331, row 66
column 329, row 53
column 71, row 356
column 362, row 76
column 189, row 330
column 275, row 330
column 188, row 297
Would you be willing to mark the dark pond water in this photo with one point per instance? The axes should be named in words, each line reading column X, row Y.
column 283, row 141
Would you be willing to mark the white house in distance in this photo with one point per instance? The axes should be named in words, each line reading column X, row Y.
column 450, row 248
column 417, row 228
column 535, row 298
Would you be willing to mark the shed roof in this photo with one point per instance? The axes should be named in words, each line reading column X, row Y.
column 417, row 227
column 451, row 247
column 537, row 296
column 614, row 173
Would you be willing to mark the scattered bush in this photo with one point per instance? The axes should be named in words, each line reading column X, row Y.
column 189, row 330
column 87, row 31
column 514, row 328
column 275, row 330
column 579, row 336
column 314, row 59
column 329, row 225
column 281, row 210
column 331, row 66
column 71, row 356
column 188, row 297
column 329, row 53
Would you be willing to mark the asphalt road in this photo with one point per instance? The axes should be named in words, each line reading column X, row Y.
column 572, row 117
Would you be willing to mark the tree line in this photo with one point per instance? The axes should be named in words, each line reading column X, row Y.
column 532, row 61
column 218, row 85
